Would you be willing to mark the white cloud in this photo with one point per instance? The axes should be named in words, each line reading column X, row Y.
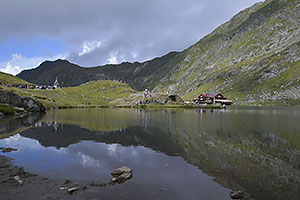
column 134, row 54
column 125, row 26
column 112, row 148
column 18, row 62
column 112, row 60
column 89, row 46
column 9, row 69
column 21, row 143
column 88, row 161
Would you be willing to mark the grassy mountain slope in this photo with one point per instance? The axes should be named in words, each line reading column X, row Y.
column 10, row 79
column 94, row 93
column 253, row 58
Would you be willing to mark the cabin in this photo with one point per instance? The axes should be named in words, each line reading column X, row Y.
column 219, row 96
column 205, row 99
column 215, row 98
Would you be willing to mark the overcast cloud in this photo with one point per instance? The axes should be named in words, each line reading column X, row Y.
column 96, row 32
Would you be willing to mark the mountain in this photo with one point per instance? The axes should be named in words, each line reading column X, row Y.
column 254, row 59
column 138, row 75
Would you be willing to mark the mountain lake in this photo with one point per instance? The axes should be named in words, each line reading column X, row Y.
column 173, row 153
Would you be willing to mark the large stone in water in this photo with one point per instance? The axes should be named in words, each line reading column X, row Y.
column 120, row 171
column 121, row 174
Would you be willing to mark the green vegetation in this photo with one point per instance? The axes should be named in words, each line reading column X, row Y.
column 95, row 93
column 10, row 79
column 205, row 88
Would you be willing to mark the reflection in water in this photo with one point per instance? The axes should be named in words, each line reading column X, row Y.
column 59, row 135
column 90, row 160
column 13, row 124
column 254, row 150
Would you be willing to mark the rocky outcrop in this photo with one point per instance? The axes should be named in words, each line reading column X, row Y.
column 32, row 105
column 27, row 103
column 121, row 175
column 11, row 98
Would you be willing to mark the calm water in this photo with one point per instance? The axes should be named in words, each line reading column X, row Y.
column 174, row 154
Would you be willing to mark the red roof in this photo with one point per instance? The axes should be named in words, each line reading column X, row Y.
column 208, row 95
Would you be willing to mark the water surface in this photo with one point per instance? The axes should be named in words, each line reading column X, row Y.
column 174, row 153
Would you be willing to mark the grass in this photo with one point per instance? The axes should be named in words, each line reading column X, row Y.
column 10, row 79
column 287, row 77
column 94, row 93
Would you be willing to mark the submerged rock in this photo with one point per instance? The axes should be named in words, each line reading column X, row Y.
column 18, row 179
column 71, row 190
column 121, row 174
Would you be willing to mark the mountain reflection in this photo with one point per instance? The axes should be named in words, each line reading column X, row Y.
column 59, row 135
column 254, row 150
column 13, row 124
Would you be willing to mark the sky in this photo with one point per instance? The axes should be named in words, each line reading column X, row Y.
column 97, row 32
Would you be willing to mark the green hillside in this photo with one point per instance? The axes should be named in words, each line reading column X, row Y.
column 95, row 93
column 253, row 58
column 10, row 79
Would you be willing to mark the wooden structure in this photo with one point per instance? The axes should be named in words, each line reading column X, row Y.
column 215, row 98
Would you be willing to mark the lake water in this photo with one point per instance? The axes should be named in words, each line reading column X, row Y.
column 174, row 153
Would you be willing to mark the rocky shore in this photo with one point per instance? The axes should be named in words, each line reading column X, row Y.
column 16, row 183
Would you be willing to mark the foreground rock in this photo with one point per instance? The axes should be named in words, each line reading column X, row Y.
column 17, row 184
column 238, row 195
column 121, row 174
column 26, row 103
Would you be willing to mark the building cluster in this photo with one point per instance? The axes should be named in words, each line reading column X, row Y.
column 215, row 98
column 37, row 87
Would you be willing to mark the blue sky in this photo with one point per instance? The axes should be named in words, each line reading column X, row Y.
column 91, row 33
column 31, row 48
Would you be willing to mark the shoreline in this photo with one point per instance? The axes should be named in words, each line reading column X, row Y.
column 16, row 183
column 31, row 186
